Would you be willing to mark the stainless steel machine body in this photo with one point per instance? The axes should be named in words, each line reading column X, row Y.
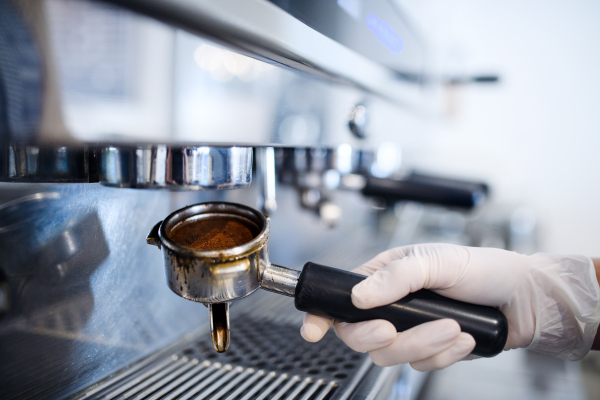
column 115, row 98
column 179, row 168
column 112, row 306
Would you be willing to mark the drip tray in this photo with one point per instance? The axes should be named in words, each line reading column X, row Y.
column 267, row 359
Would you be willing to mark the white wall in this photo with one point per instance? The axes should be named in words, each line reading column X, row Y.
column 535, row 137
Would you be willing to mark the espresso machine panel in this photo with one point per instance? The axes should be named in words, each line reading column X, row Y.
column 114, row 114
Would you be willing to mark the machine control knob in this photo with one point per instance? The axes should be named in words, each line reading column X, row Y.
column 358, row 121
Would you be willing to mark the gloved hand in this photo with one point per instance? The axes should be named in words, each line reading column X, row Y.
column 552, row 303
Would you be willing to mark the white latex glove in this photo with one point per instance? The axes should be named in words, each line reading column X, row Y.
column 552, row 303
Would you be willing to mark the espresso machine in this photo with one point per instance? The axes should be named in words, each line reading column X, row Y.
column 115, row 114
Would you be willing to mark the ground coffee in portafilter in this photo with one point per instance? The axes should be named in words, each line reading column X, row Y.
column 212, row 233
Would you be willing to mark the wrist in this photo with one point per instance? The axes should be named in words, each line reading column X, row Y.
column 565, row 302
column 596, row 263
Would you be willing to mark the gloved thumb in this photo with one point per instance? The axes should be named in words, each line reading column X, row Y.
column 389, row 284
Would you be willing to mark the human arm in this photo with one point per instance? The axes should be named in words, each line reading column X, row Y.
column 552, row 303
column 596, row 261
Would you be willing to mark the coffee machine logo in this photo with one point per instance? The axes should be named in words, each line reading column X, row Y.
column 385, row 34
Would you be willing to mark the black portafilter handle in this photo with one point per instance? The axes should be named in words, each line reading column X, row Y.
column 327, row 292
column 415, row 176
column 427, row 189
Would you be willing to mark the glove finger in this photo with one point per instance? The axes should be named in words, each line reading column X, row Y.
column 418, row 343
column 462, row 347
column 390, row 284
column 314, row 327
column 381, row 260
column 366, row 336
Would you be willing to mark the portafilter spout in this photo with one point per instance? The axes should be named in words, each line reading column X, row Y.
column 218, row 277
column 219, row 326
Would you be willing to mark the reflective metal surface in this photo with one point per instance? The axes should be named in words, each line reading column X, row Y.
column 265, row 31
column 23, row 162
column 268, row 177
column 268, row 360
column 337, row 167
column 518, row 375
column 86, row 296
column 317, row 171
column 218, row 314
column 21, row 79
column 112, row 306
column 217, row 276
column 280, row 280
column 176, row 168
column 81, row 295
column 113, row 76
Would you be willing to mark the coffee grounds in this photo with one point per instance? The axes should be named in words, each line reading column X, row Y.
column 213, row 233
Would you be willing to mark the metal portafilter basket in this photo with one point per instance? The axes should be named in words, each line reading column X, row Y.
column 218, row 277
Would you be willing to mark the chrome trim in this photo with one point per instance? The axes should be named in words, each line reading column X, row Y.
column 268, row 178
column 384, row 376
column 348, row 389
column 30, row 162
column 219, row 326
column 176, row 168
column 280, row 279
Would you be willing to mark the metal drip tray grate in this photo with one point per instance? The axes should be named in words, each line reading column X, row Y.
column 267, row 359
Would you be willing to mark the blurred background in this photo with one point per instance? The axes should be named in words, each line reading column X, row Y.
column 534, row 135
column 530, row 135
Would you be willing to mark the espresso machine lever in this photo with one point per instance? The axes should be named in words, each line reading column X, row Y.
column 219, row 276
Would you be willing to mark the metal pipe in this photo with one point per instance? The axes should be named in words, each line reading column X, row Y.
column 280, row 279
column 269, row 179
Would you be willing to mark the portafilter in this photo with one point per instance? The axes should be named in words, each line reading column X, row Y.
column 218, row 277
